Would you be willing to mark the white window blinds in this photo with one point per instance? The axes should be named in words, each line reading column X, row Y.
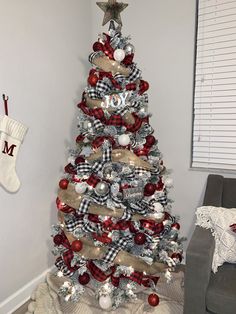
column 214, row 125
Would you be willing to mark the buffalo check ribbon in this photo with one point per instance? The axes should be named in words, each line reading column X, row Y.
column 113, row 250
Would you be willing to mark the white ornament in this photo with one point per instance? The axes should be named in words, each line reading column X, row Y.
column 119, row 55
column 158, row 208
column 102, row 188
column 105, row 302
column 81, row 187
column 124, row 140
column 168, row 182
column 159, row 216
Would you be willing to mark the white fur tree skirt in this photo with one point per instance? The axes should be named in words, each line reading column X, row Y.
column 46, row 301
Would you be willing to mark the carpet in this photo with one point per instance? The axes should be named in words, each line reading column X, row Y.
column 45, row 300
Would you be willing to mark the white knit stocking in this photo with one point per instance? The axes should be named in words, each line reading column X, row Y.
column 11, row 136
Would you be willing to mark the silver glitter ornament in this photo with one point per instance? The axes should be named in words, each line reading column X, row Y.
column 102, row 188
column 129, row 49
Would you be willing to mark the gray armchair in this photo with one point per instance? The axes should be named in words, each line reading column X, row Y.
column 206, row 292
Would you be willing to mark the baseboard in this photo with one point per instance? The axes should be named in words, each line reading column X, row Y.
column 21, row 296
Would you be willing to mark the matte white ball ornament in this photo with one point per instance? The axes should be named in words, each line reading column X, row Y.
column 81, row 187
column 102, row 188
column 105, row 302
column 119, row 55
column 158, row 208
column 124, row 140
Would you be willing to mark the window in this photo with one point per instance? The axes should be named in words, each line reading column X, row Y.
column 214, row 122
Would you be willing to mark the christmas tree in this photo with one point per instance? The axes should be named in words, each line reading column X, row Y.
column 115, row 230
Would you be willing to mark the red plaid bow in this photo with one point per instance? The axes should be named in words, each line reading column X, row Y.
column 93, row 180
column 97, row 273
column 100, row 140
column 102, row 74
column 128, row 60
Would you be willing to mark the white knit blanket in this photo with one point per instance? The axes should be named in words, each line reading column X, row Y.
column 46, row 301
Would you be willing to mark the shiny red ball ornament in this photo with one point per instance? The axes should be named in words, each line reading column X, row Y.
column 153, row 299
column 140, row 238
column 58, row 239
column 150, row 140
column 63, row 207
column 145, row 85
column 176, row 226
column 84, row 279
column 177, row 256
column 93, row 79
column 97, row 46
column 77, row 246
column 149, row 189
column 63, row 184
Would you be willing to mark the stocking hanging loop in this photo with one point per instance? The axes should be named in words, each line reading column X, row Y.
column 5, row 99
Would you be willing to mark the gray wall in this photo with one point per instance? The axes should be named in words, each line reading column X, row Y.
column 163, row 33
column 43, row 62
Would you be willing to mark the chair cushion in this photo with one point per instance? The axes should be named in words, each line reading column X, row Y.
column 221, row 292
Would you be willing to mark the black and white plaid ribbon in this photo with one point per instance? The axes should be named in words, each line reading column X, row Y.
column 98, row 126
column 116, row 248
column 92, row 93
column 162, row 199
column 135, row 74
column 127, row 215
column 63, row 268
column 73, row 224
column 103, row 87
column 119, row 78
column 84, row 206
column 100, row 199
column 86, row 168
column 139, row 208
column 140, row 171
column 94, row 55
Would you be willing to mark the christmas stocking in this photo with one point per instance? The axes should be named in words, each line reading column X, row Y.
column 11, row 136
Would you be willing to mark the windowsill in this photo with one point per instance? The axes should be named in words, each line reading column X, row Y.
column 213, row 170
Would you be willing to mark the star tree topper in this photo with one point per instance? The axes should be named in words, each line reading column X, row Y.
column 112, row 11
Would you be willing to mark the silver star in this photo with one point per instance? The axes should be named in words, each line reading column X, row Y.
column 112, row 11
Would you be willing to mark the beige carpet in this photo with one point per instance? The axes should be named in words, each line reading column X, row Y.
column 46, row 301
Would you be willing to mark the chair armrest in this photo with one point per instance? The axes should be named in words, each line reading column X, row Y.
column 199, row 257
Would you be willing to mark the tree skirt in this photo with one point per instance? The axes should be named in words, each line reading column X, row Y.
column 46, row 301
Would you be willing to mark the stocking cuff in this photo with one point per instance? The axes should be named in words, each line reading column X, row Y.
column 13, row 128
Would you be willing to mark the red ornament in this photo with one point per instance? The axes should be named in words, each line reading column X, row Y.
column 149, row 189
column 93, row 79
column 79, row 160
column 70, row 169
column 140, row 238
column 97, row 46
column 176, row 226
column 132, row 228
column 77, row 245
column 63, row 184
column 159, row 227
column 160, row 185
column 153, row 299
column 58, row 239
column 63, row 207
column 84, row 279
column 150, row 140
